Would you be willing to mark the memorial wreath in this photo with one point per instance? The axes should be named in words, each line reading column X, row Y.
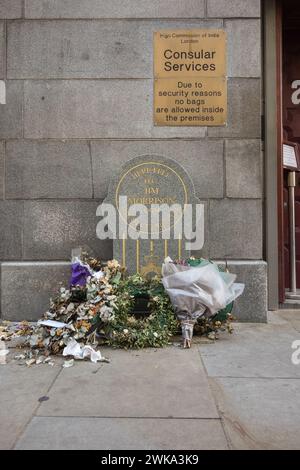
column 103, row 305
column 142, row 316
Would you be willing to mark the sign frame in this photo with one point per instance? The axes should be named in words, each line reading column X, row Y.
column 206, row 107
column 297, row 156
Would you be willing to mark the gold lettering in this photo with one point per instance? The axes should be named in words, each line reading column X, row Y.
column 151, row 190
column 151, row 200
column 149, row 170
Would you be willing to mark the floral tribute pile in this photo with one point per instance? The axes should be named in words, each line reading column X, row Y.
column 101, row 309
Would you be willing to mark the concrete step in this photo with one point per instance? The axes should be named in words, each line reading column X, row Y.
column 290, row 304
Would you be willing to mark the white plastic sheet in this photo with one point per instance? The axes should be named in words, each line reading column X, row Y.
column 194, row 290
column 199, row 290
column 80, row 352
column 53, row 324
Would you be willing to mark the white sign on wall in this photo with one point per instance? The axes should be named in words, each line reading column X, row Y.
column 290, row 157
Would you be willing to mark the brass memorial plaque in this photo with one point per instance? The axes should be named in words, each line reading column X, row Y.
column 190, row 85
column 161, row 190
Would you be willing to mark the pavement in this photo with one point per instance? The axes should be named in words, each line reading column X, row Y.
column 240, row 392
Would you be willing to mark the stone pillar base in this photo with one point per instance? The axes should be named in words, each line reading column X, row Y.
column 252, row 306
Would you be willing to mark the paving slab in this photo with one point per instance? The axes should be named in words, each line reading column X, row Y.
column 162, row 399
column 20, row 389
column 122, row 434
column 253, row 350
column 292, row 316
column 259, row 413
column 164, row 383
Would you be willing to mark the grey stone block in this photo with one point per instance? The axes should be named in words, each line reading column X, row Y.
column 95, row 109
column 114, row 9
column 244, row 168
column 204, row 252
column 53, row 228
column 2, row 155
column 252, row 305
column 27, row 287
column 235, row 229
column 203, row 160
column 11, row 9
column 11, row 113
column 244, row 110
column 233, row 8
column 48, row 170
column 86, row 49
column 2, row 50
column 244, row 45
column 11, row 217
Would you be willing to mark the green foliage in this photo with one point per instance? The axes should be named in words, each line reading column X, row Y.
column 222, row 315
column 155, row 330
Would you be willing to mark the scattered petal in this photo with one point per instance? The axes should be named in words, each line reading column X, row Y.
column 30, row 362
column 69, row 363
column 4, row 352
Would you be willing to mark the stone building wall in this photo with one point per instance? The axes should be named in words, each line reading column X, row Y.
column 79, row 79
